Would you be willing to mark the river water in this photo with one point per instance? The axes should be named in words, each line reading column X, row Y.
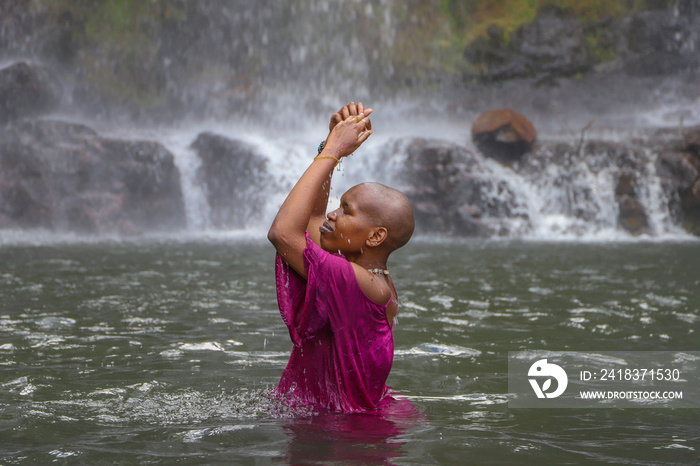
column 164, row 351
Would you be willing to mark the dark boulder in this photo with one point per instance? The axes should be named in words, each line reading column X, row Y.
column 658, row 42
column 490, row 56
column 571, row 188
column 632, row 214
column 64, row 177
column 626, row 184
column 234, row 176
column 679, row 169
column 27, row 90
column 450, row 190
column 691, row 139
column 580, row 180
column 553, row 44
column 503, row 134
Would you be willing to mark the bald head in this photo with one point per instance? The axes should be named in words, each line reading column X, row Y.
column 390, row 209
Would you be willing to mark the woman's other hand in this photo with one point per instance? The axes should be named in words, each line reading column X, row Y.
column 348, row 110
column 348, row 134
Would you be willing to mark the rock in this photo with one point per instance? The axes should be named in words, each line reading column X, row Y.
column 27, row 90
column 503, row 134
column 691, row 138
column 658, row 42
column 662, row 40
column 632, row 214
column 633, row 217
column 566, row 188
column 625, row 183
column 578, row 182
column 553, row 44
column 64, row 177
column 691, row 200
column 490, row 55
column 678, row 167
column 235, row 178
column 450, row 191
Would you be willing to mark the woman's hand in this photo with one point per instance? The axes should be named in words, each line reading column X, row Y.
column 348, row 110
column 348, row 134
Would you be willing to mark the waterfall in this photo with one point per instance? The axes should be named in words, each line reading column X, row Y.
column 266, row 76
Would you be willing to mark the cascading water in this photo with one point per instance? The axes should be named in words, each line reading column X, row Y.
column 270, row 75
column 563, row 201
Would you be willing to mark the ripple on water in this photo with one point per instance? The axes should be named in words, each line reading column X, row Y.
column 437, row 349
column 195, row 435
column 458, row 322
column 256, row 358
column 443, row 300
column 150, row 403
column 689, row 318
column 203, row 346
column 53, row 322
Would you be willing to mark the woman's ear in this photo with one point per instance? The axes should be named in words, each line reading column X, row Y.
column 377, row 237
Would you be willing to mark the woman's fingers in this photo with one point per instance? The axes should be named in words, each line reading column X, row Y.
column 361, row 116
column 351, row 109
column 363, row 137
column 352, row 116
column 335, row 119
column 364, row 118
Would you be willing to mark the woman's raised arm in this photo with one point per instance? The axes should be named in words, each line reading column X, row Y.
column 288, row 230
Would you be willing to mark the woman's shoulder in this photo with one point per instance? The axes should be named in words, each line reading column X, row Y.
column 374, row 287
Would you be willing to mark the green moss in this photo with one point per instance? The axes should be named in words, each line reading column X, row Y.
column 472, row 19
column 599, row 51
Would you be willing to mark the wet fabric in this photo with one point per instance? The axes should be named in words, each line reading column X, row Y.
column 343, row 345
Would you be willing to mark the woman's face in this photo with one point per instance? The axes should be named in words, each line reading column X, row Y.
column 348, row 227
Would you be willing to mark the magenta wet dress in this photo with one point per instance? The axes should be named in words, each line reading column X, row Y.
column 343, row 345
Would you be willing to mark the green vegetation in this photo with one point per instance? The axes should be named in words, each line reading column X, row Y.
column 118, row 44
column 473, row 19
column 599, row 52
column 470, row 19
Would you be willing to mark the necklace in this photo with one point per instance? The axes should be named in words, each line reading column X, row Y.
column 379, row 271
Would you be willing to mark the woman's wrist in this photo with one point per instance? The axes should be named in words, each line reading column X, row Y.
column 321, row 157
column 331, row 150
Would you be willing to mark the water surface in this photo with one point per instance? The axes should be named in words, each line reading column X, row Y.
column 164, row 351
